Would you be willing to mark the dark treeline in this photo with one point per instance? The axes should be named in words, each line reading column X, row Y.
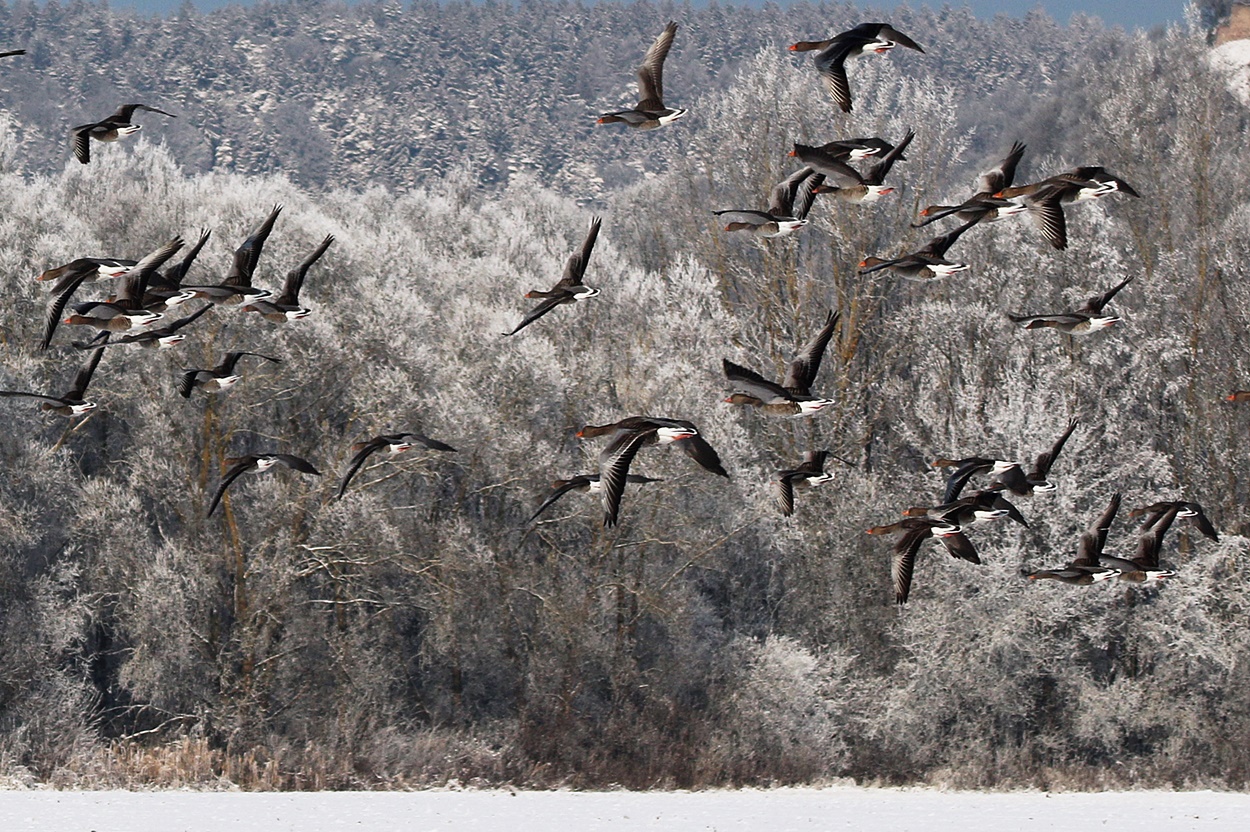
column 419, row 631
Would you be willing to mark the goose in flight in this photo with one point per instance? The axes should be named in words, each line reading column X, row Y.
column 793, row 397
column 570, row 287
column 650, row 111
column 832, row 54
column 394, row 444
column 117, row 126
column 256, row 463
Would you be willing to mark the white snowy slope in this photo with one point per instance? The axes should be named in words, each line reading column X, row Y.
column 1233, row 58
column 779, row 810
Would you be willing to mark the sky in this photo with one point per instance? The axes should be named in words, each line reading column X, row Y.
column 1142, row 13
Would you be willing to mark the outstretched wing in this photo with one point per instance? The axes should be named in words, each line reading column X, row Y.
column 1093, row 539
column 756, row 385
column 236, row 470
column 939, row 245
column 1044, row 461
column 569, row 485
column 996, row 179
column 1094, row 305
column 651, row 73
column 803, row 369
column 295, row 278
column 538, row 311
column 87, row 371
column 247, row 255
column 614, row 462
column 575, row 268
column 877, row 173
column 297, row 463
column 354, row 466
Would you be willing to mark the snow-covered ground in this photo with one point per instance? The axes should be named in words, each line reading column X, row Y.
column 780, row 810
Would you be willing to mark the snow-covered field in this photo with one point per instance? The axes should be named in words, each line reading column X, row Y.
column 780, row 810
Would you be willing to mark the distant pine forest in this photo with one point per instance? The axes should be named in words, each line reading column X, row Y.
column 424, row 629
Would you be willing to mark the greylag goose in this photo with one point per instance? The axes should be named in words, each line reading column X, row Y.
column 570, row 287
column 832, row 54
column 394, row 444
column 650, row 111
column 793, row 397
column 1087, row 568
column 1083, row 320
column 117, row 126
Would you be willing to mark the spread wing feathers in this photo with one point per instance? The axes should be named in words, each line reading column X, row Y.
column 832, row 69
column 1047, row 215
column 1058, row 321
column 651, row 73
column 785, row 494
column 226, row 367
column 186, row 383
column 1045, row 460
column 576, row 483
column 296, row 463
column 824, row 162
column 356, row 462
column 432, row 444
column 755, row 384
column 614, row 462
column 903, row 563
column 80, row 142
column 793, row 196
column 135, row 283
column 236, row 470
column 538, row 311
column 698, row 449
column 126, row 112
column 575, row 268
column 1150, row 541
column 87, row 371
column 1094, row 305
column 803, row 369
column 888, row 32
column 995, row 180
column 1094, row 538
column 8, row 394
column 295, row 278
column 178, row 273
column 247, row 255
column 960, row 476
column 939, row 245
column 53, row 315
column 877, row 173
column 1201, row 522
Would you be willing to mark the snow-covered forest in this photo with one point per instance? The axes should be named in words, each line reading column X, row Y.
column 421, row 629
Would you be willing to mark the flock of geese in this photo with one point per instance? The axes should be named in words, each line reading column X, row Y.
column 136, row 313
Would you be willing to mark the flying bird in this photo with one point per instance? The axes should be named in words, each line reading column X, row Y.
column 793, row 397
column 394, row 444
column 160, row 338
column 74, row 402
column 570, row 287
column 984, row 206
column 852, row 186
column 628, row 436
column 237, row 286
column 1035, row 480
column 239, row 465
column 1087, row 568
column 928, row 263
column 788, row 206
column 286, row 306
column 832, row 54
column 117, row 126
column 1144, row 566
column 1083, row 320
column 916, row 530
column 809, row 474
column 650, row 112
